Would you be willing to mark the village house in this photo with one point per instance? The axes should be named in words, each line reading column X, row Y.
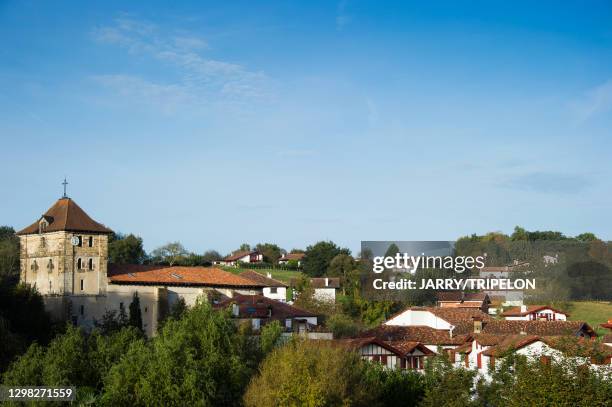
column 286, row 258
column 325, row 288
column 399, row 354
column 243, row 256
column 259, row 311
column 64, row 254
column 436, row 317
column 535, row 312
column 272, row 288
column 460, row 299
column 485, row 350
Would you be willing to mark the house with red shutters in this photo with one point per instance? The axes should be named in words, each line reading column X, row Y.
column 534, row 313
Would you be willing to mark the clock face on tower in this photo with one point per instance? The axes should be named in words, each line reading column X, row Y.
column 75, row 240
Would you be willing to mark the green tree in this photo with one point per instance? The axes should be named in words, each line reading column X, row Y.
column 310, row 373
column 457, row 384
column 270, row 336
column 342, row 326
column 319, row 256
column 345, row 267
column 245, row 247
column 125, row 249
column 197, row 360
column 270, row 251
column 135, row 318
column 586, row 237
column 518, row 381
column 9, row 256
column 211, row 256
column 169, row 253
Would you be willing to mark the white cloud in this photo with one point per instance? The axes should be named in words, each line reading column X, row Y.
column 597, row 100
column 201, row 80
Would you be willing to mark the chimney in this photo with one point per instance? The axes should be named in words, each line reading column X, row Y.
column 477, row 324
column 326, row 282
column 523, row 308
column 269, row 275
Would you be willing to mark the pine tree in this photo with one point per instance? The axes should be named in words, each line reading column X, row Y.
column 135, row 313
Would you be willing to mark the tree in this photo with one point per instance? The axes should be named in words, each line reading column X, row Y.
column 319, row 256
column 125, row 249
column 269, row 337
column 586, row 237
column 196, row 360
column 270, row 251
column 135, row 319
column 519, row 381
column 211, row 256
column 342, row 266
column 457, row 384
column 9, row 256
column 23, row 320
column 310, row 373
column 113, row 321
column 178, row 309
column 169, row 253
column 245, row 247
column 342, row 326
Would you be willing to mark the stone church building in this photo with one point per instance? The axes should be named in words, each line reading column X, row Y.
column 64, row 254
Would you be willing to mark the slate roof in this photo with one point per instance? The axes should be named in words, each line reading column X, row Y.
column 66, row 215
column 176, row 275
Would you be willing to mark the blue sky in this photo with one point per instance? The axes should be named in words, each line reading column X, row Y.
column 292, row 122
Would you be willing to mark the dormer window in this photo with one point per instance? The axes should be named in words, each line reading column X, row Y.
column 42, row 225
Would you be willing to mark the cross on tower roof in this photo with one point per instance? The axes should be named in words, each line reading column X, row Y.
column 64, row 184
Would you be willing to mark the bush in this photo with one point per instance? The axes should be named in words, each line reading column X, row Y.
column 311, row 373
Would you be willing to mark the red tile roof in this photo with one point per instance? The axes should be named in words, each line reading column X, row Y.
column 516, row 311
column 407, row 347
column 176, row 275
column 259, row 278
column 453, row 315
column 319, row 282
column 423, row 334
column 66, row 215
column 249, row 305
column 542, row 328
column 453, row 296
column 293, row 256
column 510, row 343
column 238, row 255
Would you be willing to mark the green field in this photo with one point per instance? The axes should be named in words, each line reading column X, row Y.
column 593, row 312
column 280, row 275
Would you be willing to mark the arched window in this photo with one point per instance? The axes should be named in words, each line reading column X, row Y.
column 90, row 264
column 79, row 264
column 90, row 241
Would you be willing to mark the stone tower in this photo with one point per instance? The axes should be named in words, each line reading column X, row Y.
column 65, row 252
